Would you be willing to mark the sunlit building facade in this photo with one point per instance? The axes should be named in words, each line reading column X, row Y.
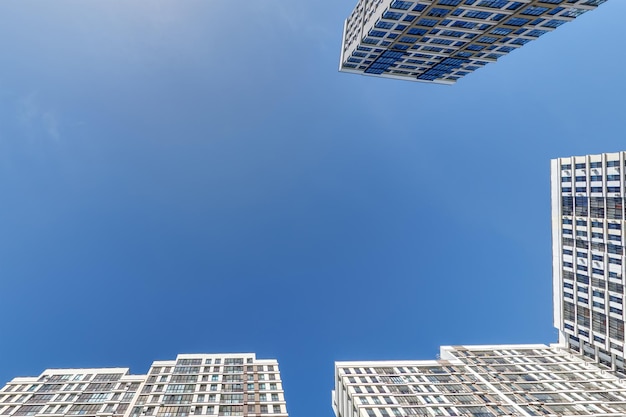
column 480, row 381
column 588, row 255
column 582, row 375
column 191, row 385
column 441, row 41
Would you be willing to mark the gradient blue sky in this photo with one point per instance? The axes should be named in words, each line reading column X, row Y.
column 196, row 176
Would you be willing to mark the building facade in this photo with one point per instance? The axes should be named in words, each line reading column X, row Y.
column 480, row 381
column 441, row 41
column 588, row 254
column 582, row 375
column 191, row 385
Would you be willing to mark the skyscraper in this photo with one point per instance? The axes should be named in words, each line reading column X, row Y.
column 588, row 255
column 191, row 385
column 441, row 41
column 583, row 374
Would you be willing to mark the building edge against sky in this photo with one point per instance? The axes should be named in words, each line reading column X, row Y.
column 583, row 374
column 192, row 385
column 441, row 41
column 480, row 381
column 588, row 254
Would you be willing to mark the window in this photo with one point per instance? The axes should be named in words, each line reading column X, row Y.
column 28, row 410
column 81, row 409
column 180, row 388
column 615, row 261
column 567, row 204
column 105, row 377
column 232, row 387
column 165, row 411
column 231, row 399
column 188, row 362
column 231, row 410
column 187, row 370
column 581, row 206
column 180, row 399
column 403, row 5
column 94, row 398
column 392, row 15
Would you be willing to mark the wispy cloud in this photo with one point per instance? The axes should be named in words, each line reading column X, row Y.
column 51, row 124
column 35, row 118
column 298, row 17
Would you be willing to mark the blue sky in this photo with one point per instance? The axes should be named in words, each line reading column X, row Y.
column 196, row 176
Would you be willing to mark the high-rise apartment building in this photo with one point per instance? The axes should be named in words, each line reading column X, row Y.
column 441, row 41
column 588, row 255
column 480, row 381
column 582, row 375
column 191, row 385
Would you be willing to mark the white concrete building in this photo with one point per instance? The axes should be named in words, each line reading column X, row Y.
column 191, row 385
column 588, row 255
column 480, row 381
column 441, row 41
column 582, row 375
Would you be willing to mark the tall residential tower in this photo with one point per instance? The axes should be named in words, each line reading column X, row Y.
column 588, row 255
column 480, row 381
column 582, row 375
column 441, row 41
column 191, row 385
